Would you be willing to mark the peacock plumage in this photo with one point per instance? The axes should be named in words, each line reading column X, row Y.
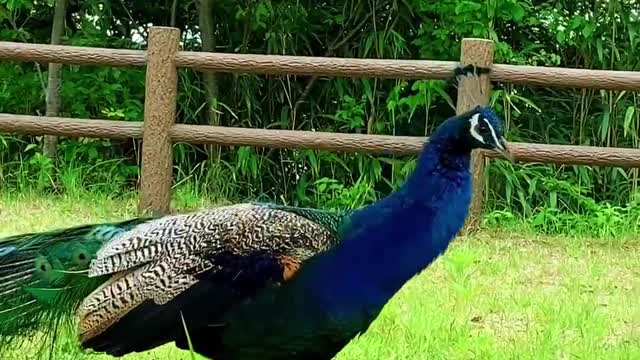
column 46, row 277
column 248, row 281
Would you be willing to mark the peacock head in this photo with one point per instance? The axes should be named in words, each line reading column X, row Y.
column 483, row 129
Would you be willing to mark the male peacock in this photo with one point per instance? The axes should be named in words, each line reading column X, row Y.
column 251, row 281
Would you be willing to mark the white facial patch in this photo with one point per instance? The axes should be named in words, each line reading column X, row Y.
column 476, row 134
column 474, row 127
column 493, row 135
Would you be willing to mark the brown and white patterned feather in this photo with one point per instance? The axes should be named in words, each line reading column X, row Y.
column 157, row 260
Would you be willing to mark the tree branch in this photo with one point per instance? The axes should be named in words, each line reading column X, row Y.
column 53, row 82
column 174, row 8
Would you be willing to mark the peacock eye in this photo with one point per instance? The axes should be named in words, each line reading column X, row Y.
column 42, row 265
column 81, row 257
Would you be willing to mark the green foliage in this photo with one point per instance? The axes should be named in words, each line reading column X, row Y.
column 577, row 199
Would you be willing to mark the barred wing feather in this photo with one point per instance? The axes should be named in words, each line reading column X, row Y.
column 158, row 260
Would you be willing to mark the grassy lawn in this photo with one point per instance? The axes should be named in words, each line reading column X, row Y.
column 497, row 295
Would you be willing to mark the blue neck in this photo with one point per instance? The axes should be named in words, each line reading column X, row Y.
column 387, row 243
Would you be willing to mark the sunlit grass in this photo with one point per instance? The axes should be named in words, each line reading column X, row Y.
column 497, row 295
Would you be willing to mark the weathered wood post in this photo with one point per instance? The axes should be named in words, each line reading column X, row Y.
column 161, row 88
column 478, row 52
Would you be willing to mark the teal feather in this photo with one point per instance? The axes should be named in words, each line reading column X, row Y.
column 43, row 276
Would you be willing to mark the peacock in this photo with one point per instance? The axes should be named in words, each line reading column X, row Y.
column 247, row 281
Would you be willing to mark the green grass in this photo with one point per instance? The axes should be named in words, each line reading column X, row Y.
column 497, row 295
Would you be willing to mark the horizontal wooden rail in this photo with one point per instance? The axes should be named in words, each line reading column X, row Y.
column 76, row 55
column 316, row 66
column 573, row 155
column 60, row 126
column 399, row 145
column 566, row 77
column 270, row 138
column 323, row 66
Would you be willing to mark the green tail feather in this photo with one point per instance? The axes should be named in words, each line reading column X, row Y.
column 43, row 279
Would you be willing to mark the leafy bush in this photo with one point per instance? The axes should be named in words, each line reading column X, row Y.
column 598, row 35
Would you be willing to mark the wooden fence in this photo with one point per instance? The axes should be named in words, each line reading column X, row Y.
column 159, row 131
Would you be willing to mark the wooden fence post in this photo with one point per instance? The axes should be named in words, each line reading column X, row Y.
column 478, row 52
column 161, row 88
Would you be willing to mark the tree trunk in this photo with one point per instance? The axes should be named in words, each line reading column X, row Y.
column 207, row 35
column 174, row 11
column 53, row 83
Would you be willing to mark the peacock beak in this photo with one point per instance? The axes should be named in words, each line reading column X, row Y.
column 503, row 148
